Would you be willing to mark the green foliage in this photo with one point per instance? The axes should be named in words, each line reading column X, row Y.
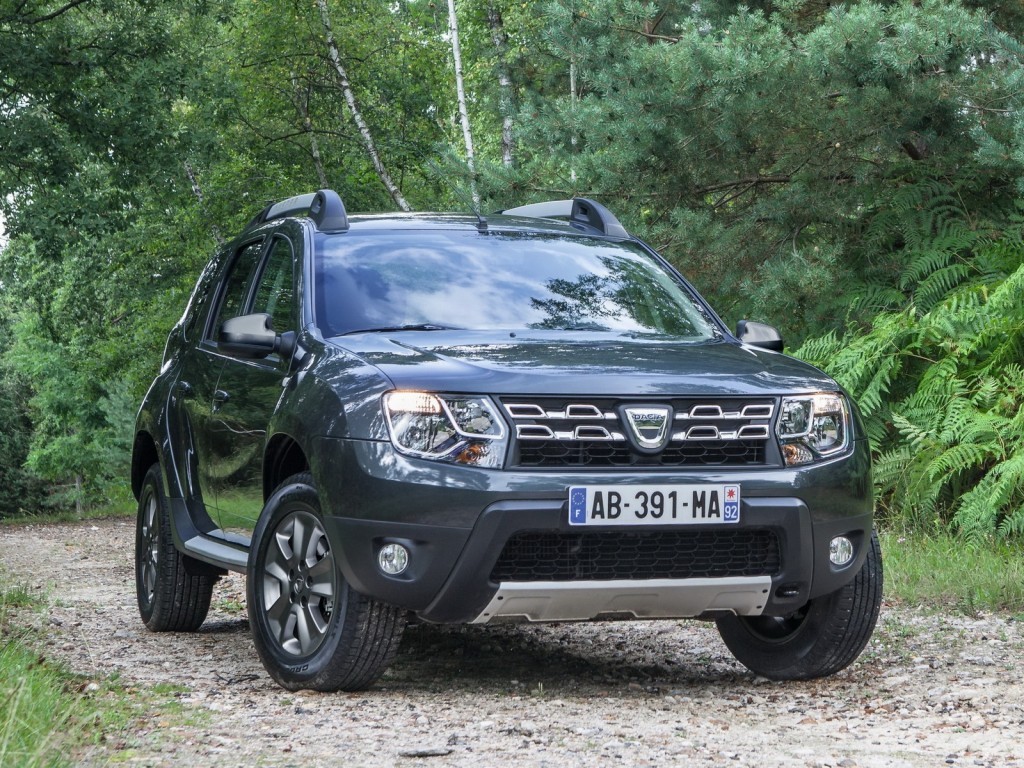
column 765, row 148
column 35, row 711
column 942, row 571
column 941, row 385
column 847, row 171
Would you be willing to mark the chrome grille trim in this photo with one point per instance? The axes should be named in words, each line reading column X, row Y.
column 574, row 411
column 558, row 432
column 585, row 412
column 589, row 412
column 759, row 411
column 543, row 432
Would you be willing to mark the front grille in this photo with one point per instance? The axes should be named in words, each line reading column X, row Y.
column 591, row 433
column 683, row 554
column 584, row 453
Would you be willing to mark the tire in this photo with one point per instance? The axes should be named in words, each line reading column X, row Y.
column 170, row 598
column 823, row 637
column 311, row 629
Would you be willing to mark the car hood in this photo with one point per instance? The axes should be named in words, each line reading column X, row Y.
column 556, row 363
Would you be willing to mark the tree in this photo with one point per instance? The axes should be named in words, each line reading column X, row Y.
column 758, row 151
column 357, row 116
column 467, row 134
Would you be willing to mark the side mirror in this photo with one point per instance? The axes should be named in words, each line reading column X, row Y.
column 253, row 337
column 759, row 335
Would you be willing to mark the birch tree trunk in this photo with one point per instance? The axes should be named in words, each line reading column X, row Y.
column 302, row 105
column 572, row 103
column 508, row 101
column 453, row 29
column 357, row 116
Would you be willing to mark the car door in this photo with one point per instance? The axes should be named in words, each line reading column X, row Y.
column 197, row 384
column 247, row 393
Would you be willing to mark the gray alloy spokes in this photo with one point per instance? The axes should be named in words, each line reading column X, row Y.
column 299, row 583
column 150, row 549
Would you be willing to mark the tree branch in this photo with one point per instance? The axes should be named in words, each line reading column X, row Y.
column 747, row 183
column 647, row 35
column 53, row 15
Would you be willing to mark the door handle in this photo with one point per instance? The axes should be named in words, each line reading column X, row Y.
column 219, row 398
column 185, row 389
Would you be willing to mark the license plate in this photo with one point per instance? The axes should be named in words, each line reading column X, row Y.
column 653, row 504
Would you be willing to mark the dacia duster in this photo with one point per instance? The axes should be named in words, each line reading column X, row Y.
column 461, row 418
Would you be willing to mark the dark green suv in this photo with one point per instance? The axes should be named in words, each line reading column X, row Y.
column 525, row 416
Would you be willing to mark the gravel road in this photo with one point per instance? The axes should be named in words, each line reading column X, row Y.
column 932, row 689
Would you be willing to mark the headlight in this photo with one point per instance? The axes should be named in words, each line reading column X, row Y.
column 813, row 427
column 452, row 428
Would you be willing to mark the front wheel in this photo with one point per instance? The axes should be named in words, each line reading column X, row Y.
column 823, row 637
column 310, row 628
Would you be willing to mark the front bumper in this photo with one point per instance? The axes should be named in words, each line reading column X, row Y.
column 456, row 521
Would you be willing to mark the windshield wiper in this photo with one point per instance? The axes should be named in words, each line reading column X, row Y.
column 412, row 327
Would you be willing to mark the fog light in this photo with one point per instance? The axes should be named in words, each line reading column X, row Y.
column 393, row 559
column 840, row 550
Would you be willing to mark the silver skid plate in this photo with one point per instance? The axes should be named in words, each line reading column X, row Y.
column 649, row 599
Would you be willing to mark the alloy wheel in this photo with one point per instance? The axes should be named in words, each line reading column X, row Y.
column 299, row 583
column 149, row 551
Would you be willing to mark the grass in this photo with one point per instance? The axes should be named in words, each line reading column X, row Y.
column 946, row 572
column 36, row 710
column 121, row 504
column 47, row 713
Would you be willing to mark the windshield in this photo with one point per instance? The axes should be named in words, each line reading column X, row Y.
column 430, row 280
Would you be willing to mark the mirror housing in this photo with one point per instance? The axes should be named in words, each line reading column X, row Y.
column 759, row 335
column 253, row 337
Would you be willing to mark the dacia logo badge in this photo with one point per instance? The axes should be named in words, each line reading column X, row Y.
column 649, row 425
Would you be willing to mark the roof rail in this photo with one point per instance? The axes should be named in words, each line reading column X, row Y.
column 325, row 208
column 579, row 211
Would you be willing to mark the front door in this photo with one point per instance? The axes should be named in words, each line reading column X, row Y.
column 247, row 394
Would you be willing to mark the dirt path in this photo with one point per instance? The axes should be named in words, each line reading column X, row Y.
column 931, row 690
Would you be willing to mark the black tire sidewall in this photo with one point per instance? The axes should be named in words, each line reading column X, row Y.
column 834, row 631
column 780, row 657
column 290, row 671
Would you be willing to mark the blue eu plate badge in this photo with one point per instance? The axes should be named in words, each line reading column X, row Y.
column 731, row 504
column 578, row 506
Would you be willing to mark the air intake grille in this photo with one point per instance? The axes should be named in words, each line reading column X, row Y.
column 552, row 432
column 683, row 554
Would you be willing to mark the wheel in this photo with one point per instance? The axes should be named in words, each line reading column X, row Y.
column 170, row 598
column 823, row 637
column 311, row 629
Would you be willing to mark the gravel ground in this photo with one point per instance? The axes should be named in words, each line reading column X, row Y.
column 931, row 689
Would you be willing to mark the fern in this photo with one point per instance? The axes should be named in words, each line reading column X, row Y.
column 939, row 378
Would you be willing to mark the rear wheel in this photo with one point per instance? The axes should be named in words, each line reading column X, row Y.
column 311, row 629
column 170, row 598
column 823, row 637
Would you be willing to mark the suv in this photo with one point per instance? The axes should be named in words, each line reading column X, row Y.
column 468, row 419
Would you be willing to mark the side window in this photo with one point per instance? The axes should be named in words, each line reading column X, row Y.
column 196, row 308
column 275, row 293
column 236, row 285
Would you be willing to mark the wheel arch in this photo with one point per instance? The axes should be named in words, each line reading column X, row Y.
column 144, row 455
column 283, row 458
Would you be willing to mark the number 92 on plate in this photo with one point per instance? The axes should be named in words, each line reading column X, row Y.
column 653, row 504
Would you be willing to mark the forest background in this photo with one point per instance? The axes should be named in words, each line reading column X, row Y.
column 852, row 173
